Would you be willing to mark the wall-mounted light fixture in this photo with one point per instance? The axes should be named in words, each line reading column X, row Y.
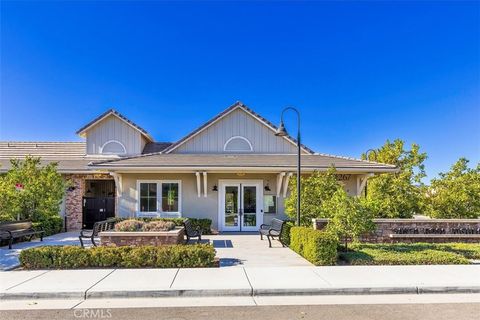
column 215, row 188
column 267, row 187
column 70, row 189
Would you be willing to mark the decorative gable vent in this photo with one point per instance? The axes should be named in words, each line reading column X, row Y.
column 113, row 147
column 238, row 144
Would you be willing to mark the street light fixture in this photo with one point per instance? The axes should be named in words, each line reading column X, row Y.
column 282, row 132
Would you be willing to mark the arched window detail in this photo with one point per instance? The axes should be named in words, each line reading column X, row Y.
column 238, row 144
column 113, row 147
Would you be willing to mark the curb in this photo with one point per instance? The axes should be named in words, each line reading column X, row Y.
column 81, row 295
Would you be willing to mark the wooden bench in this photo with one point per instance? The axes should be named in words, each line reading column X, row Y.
column 98, row 227
column 272, row 230
column 17, row 229
column 192, row 232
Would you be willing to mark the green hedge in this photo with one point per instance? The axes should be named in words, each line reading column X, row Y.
column 72, row 257
column 318, row 247
column 50, row 225
column 402, row 254
column 204, row 224
column 285, row 236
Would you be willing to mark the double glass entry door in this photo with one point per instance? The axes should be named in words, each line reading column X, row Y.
column 241, row 206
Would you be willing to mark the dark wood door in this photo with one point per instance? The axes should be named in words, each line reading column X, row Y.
column 97, row 209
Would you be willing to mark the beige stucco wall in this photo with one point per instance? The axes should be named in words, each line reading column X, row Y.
column 201, row 207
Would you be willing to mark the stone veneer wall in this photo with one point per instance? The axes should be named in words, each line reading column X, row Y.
column 385, row 227
column 74, row 197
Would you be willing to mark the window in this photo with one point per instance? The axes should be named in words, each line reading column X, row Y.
column 238, row 144
column 159, row 196
column 113, row 147
column 170, row 197
column 148, row 197
column 270, row 204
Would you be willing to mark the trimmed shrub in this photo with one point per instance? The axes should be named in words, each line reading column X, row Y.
column 71, row 257
column 285, row 236
column 204, row 224
column 402, row 254
column 318, row 247
column 129, row 225
column 50, row 225
column 158, row 226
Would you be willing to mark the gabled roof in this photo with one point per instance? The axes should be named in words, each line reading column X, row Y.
column 117, row 114
column 155, row 147
column 221, row 115
column 70, row 156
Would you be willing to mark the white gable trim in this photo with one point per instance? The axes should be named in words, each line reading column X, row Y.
column 238, row 106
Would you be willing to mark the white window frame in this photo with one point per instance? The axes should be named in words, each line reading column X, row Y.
column 113, row 141
column 159, row 211
column 138, row 197
column 276, row 203
column 241, row 138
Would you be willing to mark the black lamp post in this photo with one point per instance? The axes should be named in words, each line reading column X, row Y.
column 282, row 132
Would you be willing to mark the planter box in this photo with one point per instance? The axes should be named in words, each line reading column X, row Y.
column 142, row 238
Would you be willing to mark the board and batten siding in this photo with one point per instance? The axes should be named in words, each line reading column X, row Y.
column 112, row 128
column 237, row 123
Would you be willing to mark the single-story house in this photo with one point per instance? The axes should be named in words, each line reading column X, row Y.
column 233, row 170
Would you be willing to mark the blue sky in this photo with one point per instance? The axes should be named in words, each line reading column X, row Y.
column 360, row 72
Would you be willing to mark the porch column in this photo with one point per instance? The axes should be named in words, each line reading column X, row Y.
column 279, row 183
column 197, row 174
column 118, row 189
column 362, row 181
column 204, row 184
column 285, row 183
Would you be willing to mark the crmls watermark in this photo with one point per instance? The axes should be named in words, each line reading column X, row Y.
column 92, row 313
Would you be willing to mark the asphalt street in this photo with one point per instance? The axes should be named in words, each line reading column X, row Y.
column 458, row 311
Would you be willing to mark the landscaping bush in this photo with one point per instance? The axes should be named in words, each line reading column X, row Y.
column 50, row 225
column 318, row 247
column 204, row 224
column 285, row 236
column 70, row 257
column 401, row 254
column 129, row 225
column 158, row 226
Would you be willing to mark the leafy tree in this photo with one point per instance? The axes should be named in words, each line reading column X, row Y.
column 455, row 194
column 397, row 195
column 42, row 193
column 315, row 189
column 350, row 216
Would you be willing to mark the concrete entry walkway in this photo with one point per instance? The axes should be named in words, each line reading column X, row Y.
column 245, row 249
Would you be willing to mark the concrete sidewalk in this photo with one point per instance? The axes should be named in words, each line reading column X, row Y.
column 241, row 281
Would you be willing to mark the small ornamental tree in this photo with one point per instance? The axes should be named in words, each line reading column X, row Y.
column 397, row 195
column 350, row 216
column 31, row 191
column 455, row 194
column 316, row 188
